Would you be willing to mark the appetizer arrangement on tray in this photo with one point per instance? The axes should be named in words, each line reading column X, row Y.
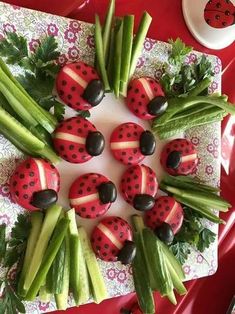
column 49, row 249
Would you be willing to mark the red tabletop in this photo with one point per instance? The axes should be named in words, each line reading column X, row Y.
column 210, row 295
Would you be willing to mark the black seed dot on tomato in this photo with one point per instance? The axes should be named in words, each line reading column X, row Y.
column 31, row 183
column 227, row 13
column 61, row 92
column 27, row 166
column 61, row 147
column 115, row 220
column 81, row 150
column 17, row 193
column 79, row 191
column 224, row 23
column 132, row 99
column 120, row 136
column 167, row 208
column 99, row 239
column 85, row 125
column 115, row 227
column 92, row 208
column 21, row 176
column 98, row 247
column 64, row 83
column 69, row 96
column 93, row 71
column 155, row 89
column 123, row 153
column 137, row 186
column 78, row 67
column 83, row 209
column 84, row 72
column 88, row 189
column 136, row 90
column 130, row 158
column 159, row 206
column 74, row 156
column 81, row 184
column 110, row 222
column 113, row 251
column 88, row 216
column 218, row 5
column 161, row 214
column 14, row 183
column 128, row 180
column 152, row 188
column 25, row 196
column 94, row 181
column 217, row 17
column 25, row 186
column 121, row 234
column 129, row 188
column 121, row 159
column 71, row 147
column 136, row 111
column 69, row 127
column 73, row 88
column 65, row 156
column 173, row 225
column 104, row 254
column 208, row 21
column 140, row 103
column 128, row 135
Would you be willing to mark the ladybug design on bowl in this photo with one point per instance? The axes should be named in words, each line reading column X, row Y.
column 79, row 86
column 33, row 176
column 130, row 143
column 91, row 195
column 179, row 157
column 145, row 98
column 139, row 187
column 77, row 140
column 166, row 210
column 109, row 237
column 219, row 13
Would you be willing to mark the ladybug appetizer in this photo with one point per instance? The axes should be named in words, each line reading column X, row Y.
column 110, row 237
column 79, row 86
column 139, row 187
column 91, row 195
column 34, row 184
column 219, row 13
column 145, row 98
column 179, row 157
column 166, row 217
column 77, row 140
column 130, row 143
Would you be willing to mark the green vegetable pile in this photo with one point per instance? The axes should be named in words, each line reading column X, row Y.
column 186, row 87
column 117, row 50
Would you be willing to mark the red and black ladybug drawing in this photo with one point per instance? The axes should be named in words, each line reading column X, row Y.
column 219, row 13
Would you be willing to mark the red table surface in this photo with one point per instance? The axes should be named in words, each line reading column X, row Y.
column 210, row 295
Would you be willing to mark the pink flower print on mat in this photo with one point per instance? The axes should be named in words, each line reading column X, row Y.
column 73, row 53
column 12, row 273
column 90, row 41
column 191, row 58
column 213, row 87
column 62, row 60
column 158, row 74
column 187, row 269
column 9, row 28
column 130, row 271
column 199, row 259
column 70, row 36
column 75, row 26
column 111, row 273
column 52, row 29
column 34, row 44
column 140, row 62
column 5, row 190
column 149, row 44
column 217, row 69
column 16, row 7
column 195, row 140
column 209, row 170
column 121, row 277
column 43, row 306
column 4, row 219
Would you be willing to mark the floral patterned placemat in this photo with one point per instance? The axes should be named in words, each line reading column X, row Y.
column 76, row 41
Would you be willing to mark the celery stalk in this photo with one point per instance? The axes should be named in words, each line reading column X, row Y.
column 117, row 55
column 107, row 29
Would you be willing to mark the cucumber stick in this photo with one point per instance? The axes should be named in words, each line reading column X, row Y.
column 139, row 41
column 75, row 246
column 97, row 281
column 54, row 280
column 44, row 295
column 48, row 226
column 36, row 225
column 48, row 258
column 118, row 30
column 100, row 53
column 107, row 29
column 62, row 298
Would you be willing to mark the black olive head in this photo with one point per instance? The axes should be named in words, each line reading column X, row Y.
column 44, row 198
column 147, row 143
column 157, row 105
column 107, row 192
column 127, row 253
column 165, row 233
column 173, row 160
column 95, row 143
column 143, row 202
column 94, row 92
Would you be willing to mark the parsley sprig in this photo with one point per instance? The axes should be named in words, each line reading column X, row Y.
column 179, row 78
column 39, row 68
column 192, row 234
column 11, row 253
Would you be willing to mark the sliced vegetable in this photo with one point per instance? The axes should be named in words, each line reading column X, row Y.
column 118, row 30
column 97, row 281
column 139, row 41
column 48, row 226
column 100, row 53
column 50, row 254
column 107, row 29
column 62, row 298
column 44, row 295
column 36, row 225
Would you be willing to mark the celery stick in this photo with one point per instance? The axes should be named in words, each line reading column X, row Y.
column 36, row 225
column 117, row 55
column 7, row 71
column 139, row 41
column 44, row 296
column 48, row 226
column 29, row 105
column 127, row 40
column 17, row 107
column 62, row 298
column 48, row 258
column 107, row 29
column 110, row 67
column 75, row 247
column 100, row 53
column 19, row 132
column 84, row 289
column 97, row 280
column 201, row 86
